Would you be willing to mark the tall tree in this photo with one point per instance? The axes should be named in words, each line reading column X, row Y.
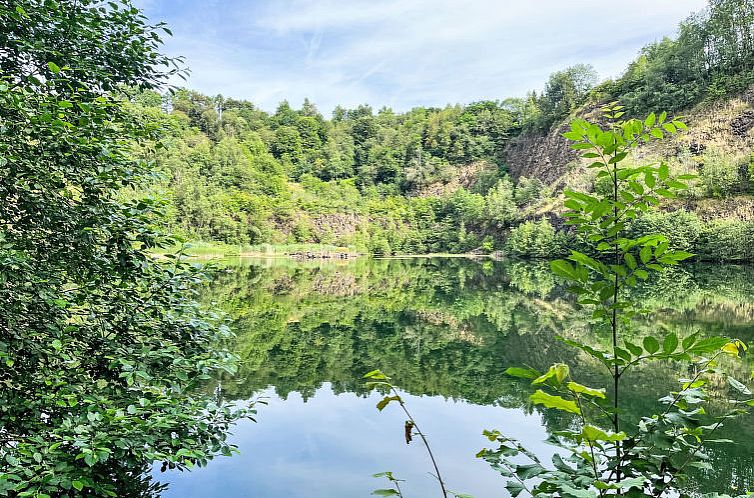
column 100, row 344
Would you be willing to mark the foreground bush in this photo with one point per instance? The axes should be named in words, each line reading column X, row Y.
column 101, row 346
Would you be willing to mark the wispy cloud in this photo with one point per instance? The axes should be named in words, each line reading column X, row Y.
column 403, row 53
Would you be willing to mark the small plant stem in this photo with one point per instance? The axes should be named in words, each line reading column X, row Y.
column 398, row 488
column 426, row 443
column 614, row 326
column 589, row 443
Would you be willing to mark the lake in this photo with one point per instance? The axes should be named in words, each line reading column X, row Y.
column 444, row 329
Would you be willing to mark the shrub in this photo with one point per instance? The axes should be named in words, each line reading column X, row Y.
column 726, row 240
column 723, row 175
column 500, row 205
column 535, row 239
column 528, row 190
column 680, row 227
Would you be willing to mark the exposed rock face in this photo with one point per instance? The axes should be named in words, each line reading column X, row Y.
column 335, row 225
column 466, row 176
column 741, row 125
column 727, row 126
column 546, row 155
column 539, row 155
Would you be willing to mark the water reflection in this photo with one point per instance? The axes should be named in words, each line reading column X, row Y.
column 331, row 444
column 445, row 330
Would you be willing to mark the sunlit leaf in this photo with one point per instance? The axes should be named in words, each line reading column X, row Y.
column 549, row 401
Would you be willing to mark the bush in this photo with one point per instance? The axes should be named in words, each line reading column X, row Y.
column 528, row 190
column 723, row 175
column 535, row 239
column 726, row 240
column 680, row 227
column 500, row 205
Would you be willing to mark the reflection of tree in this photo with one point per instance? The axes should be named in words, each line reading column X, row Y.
column 451, row 327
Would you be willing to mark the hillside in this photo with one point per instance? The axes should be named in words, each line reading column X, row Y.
column 722, row 130
column 482, row 177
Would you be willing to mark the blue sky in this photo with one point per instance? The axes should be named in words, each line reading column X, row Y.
column 403, row 53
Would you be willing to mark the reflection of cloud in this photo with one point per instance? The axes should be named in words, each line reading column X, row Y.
column 330, row 446
column 402, row 53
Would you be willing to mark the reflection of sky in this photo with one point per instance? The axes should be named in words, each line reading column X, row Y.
column 332, row 444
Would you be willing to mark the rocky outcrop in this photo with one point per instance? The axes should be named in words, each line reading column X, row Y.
column 540, row 155
column 727, row 126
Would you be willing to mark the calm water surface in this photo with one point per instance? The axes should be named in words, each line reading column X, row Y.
column 445, row 330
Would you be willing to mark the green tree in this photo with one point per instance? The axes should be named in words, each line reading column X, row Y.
column 649, row 457
column 565, row 91
column 500, row 206
column 101, row 345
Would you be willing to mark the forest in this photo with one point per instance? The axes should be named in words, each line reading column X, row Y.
column 439, row 180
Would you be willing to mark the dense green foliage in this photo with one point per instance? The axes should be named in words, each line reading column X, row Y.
column 428, row 180
column 712, row 56
column 100, row 345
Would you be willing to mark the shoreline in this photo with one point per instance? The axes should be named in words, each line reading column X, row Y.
column 304, row 252
column 346, row 257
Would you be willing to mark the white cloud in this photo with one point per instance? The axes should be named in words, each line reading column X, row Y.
column 405, row 52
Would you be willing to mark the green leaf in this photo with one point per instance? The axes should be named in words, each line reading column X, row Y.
column 670, row 343
column 525, row 472
column 708, row 345
column 385, row 492
column 585, row 260
column 573, row 136
column 651, row 345
column 633, row 348
column 739, row 386
column 549, row 401
column 375, row 374
column 78, row 485
column 558, row 371
column 523, row 373
column 592, row 433
column 570, row 492
column 663, row 171
column 381, row 404
column 649, row 179
column 589, row 391
column 53, row 67
column 689, row 341
column 514, row 488
column 565, row 269
column 645, row 254
column 572, row 204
